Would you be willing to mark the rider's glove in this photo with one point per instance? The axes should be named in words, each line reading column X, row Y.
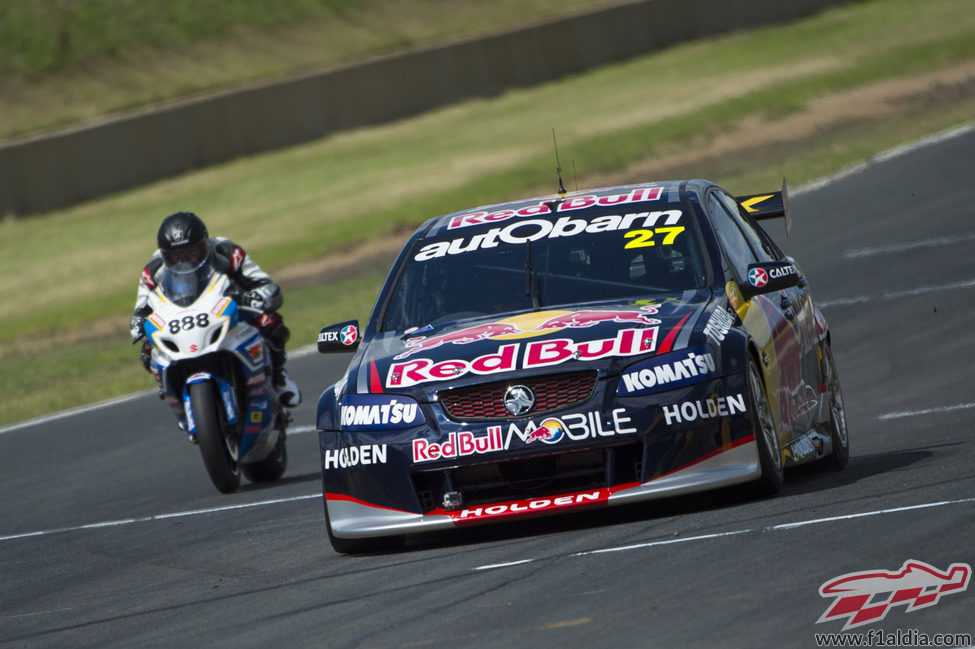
column 254, row 300
column 145, row 355
column 135, row 328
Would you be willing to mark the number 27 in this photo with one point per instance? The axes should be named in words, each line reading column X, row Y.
column 644, row 238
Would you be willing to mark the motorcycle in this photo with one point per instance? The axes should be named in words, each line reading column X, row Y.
column 214, row 369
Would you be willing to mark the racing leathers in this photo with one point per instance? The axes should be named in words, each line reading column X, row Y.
column 259, row 292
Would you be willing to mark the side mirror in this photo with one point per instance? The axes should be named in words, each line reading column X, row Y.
column 768, row 277
column 341, row 337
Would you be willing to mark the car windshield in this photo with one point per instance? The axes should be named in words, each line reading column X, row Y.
column 546, row 262
column 183, row 283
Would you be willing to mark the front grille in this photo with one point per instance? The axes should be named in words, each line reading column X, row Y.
column 486, row 401
column 528, row 477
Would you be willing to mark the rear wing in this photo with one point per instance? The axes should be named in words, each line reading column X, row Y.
column 771, row 205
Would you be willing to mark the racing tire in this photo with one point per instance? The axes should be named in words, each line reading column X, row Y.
column 766, row 437
column 838, row 433
column 219, row 453
column 369, row 545
column 270, row 468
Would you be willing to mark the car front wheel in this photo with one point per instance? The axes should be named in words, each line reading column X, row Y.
column 763, row 424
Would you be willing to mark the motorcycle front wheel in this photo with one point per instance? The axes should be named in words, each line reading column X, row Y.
column 218, row 451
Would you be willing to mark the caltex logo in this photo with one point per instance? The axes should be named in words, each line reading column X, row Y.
column 757, row 277
column 348, row 335
column 866, row 597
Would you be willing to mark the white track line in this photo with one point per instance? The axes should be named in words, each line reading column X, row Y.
column 158, row 517
column 717, row 535
column 890, row 154
column 624, row 548
column 897, row 295
column 73, row 411
column 926, row 411
column 39, row 421
column 904, row 247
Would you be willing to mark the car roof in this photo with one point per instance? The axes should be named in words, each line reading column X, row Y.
column 668, row 191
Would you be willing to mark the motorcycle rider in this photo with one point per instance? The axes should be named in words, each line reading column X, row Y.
column 182, row 238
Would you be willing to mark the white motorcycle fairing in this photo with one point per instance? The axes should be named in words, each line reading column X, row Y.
column 205, row 323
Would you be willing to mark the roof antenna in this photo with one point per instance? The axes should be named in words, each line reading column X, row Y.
column 558, row 165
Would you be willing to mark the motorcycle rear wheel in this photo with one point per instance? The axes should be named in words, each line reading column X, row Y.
column 272, row 467
column 219, row 453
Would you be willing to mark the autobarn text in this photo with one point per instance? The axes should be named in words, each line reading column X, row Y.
column 534, row 229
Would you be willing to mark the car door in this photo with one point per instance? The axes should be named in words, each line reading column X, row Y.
column 784, row 324
column 797, row 307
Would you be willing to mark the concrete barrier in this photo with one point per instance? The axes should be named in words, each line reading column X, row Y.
column 60, row 169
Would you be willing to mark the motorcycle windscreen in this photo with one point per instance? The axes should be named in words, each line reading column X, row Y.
column 183, row 283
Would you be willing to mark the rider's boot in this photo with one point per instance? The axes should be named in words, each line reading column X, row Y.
column 286, row 389
column 276, row 335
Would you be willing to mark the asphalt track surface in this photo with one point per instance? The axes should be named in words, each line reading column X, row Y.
column 112, row 536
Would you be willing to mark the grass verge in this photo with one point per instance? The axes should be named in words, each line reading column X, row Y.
column 63, row 62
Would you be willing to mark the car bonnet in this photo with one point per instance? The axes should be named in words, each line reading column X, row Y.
column 606, row 336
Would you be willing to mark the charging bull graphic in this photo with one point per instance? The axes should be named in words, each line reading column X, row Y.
column 865, row 597
column 570, row 320
column 460, row 337
column 551, row 431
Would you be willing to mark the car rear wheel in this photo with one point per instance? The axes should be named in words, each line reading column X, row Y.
column 770, row 457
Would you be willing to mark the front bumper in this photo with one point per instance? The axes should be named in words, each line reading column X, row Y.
column 614, row 450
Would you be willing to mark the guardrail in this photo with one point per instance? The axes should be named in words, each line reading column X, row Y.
column 60, row 169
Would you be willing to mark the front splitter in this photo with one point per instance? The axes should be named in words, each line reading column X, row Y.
column 353, row 518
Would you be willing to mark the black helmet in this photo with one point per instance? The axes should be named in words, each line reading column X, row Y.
column 183, row 238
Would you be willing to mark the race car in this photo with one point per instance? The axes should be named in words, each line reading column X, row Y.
column 575, row 351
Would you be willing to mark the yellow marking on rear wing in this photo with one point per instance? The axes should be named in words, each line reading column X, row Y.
column 770, row 205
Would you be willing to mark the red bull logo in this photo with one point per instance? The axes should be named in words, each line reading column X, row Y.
column 578, row 319
column 506, row 358
column 551, row 431
column 461, row 337
column 865, row 597
column 573, row 203
column 531, row 325
column 576, row 426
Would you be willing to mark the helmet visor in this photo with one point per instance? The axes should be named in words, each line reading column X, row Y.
column 187, row 258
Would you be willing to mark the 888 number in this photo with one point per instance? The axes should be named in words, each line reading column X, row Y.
column 188, row 322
